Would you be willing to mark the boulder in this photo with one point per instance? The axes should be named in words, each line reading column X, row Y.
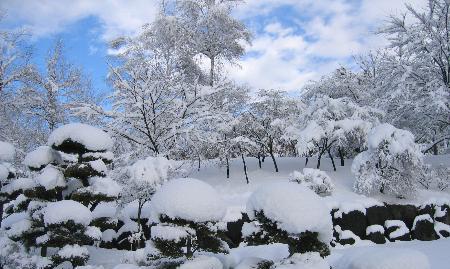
column 375, row 233
column 377, row 215
column 354, row 221
column 423, row 228
column 396, row 230
column 406, row 213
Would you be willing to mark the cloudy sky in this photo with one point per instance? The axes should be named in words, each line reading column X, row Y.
column 294, row 40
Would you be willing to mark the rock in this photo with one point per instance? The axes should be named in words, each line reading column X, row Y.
column 354, row 221
column 426, row 210
column 423, row 228
column 442, row 214
column 406, row 213
column 378, row 215
column 234, row 232
column 396, row 230
column 375, row 233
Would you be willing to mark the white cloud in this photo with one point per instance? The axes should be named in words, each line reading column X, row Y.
column 44, row 17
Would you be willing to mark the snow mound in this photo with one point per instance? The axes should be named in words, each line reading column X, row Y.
column 105, row 210
column 309, row 260
column 41, row 156
column 152, row 170
column 4, row 172
column 73, row 251
column 189, row 199
column 50, row 177
column 383, row 258
column 62, row 211
column 105, row 185
column 295, row 208
column 126, row 266
column 7, row 152
column 19, row 184
column 399, row 139
column 202, row 262
column 91, row 137
column 173, row 233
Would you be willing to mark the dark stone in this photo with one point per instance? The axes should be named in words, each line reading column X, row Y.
column 444, row 233
column 378, row 215
column 406, row 213
column 446, row 218
column 424, row 230
column 354, row 221
column 404, row 237
column 69, row 146
column 234, row 232
column 377, row 238
column 426, row 209
column 346, row 241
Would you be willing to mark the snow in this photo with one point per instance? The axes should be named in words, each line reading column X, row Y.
column 202, row 262
column 7, row 152
column 8, row 221
column 249, row 228
column 189, row 199
column 374, row 229
column 104, row 210
column 439, row 226
column 424, row 217
column 72, row 251
column 309, row 260
column 98, row 166
column 4, row 172
column 51, row 177
column 105, row 185
column 91, row 137
column 41, row 156
column 19, row 184
column 295, row 208
column 173, row 233
column 109, row 235
column 402, row 229
column 126, row 266
column 273, row 252
column 99, row 155
column 19, row 227
column 399, row 139
column 347, row 207
column 62, row 211
column 152, row 170
column 93, row 232
column 315, row 179
column 383, row 258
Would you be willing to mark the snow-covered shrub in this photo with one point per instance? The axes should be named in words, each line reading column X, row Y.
column 74, row 254
column 7, row 171
column 13, row 256
column 392, row 164
column 202, row 262
column 188, row 211
column 289, row 213
column 316, row 180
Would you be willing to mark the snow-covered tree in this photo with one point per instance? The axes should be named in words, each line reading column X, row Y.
column 392, row 164
column 267, row 119
column 334, row 126
column 212, row 31
column 50, row 96
column 188, row 211
column 140, row 181
column 316, row 180
column 7, row 171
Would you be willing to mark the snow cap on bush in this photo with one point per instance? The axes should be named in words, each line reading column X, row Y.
column 41, row 156
column 315, row 179
column 152, row 170
column 62, row 211
column 89, row 136
column 188, row 199
column 295, row 208
column 202, row 262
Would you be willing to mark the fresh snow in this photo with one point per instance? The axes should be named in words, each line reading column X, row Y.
column 382, row 258
column 19, row 184
column 41, row 156
column 62, row 211
column 51, row 177
column 7, row 152
column 293, row 207
column 374, row 229
column 173, row 233
column 92, row 138
column 105, row 185
column 401, row 230
column 189, row 199
column 72, row 251
column 202, row 262
column 423, row 217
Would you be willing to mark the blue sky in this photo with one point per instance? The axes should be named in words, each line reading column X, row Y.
column 294, row 40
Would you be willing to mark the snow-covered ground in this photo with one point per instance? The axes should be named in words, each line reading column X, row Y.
column 235, row 191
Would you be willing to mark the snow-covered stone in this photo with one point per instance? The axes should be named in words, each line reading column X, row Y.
column 7, row 152
column 62, row 211
column 189, row 199
column 91, row 137
column 295, row 208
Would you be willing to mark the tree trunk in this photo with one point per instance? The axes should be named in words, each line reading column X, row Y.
column 341, row 155
column 318, row 159
column 435, row 149
column 199, row 163
column 140, row 205
column 332, row 160
column 189, row 252
column 1, row 213
column 211, row 72
column 259, row 161
column 263, row 158
column 273, row 157
column 245, row 168
column 44, row 251
column 228, row 167
column 306, row 161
